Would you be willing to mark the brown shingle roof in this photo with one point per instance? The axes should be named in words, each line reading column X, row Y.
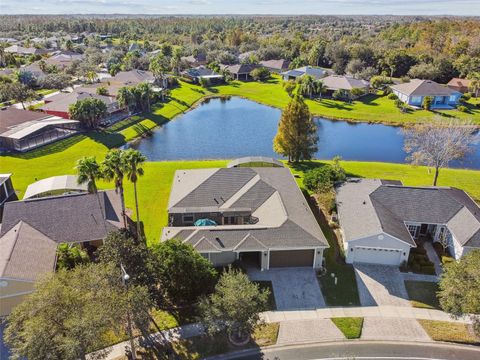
column 10, row 117
column 457, row 82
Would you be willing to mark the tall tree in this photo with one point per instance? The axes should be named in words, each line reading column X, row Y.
column 437, row 143
column 460, row 288
column 171, row 260
column 235, row 305
column 145, row 94
column 69, row 313
column 88, row 172
column 134, row 160
column 126, row 98
column 17, row 92
column 89, row 111
column 113, row 168
column 308, row 86
column 297, row 133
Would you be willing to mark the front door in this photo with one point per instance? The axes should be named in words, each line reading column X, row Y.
column 423, row 229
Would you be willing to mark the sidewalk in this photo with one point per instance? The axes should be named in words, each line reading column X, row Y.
column 385, row 311
column 305, row 318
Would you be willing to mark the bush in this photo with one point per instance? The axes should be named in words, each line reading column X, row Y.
column 466, row 97
column 427, row 102
column 260, row 74
column 416, row 268
column 398, row 103
column 418, row 250
column 392, row 96
column 428, row 269
column 322, row 179
column 447, row 260
column 462, row 108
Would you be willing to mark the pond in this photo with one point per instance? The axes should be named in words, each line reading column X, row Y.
column 226, row 129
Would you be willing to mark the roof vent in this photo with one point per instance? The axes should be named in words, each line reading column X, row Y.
column 216, row 201
column 364, row 202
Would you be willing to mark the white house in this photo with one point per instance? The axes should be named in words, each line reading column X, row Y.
column 380, row 220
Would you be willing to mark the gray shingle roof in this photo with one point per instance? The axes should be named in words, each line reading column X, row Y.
column 26, row 253
column 367, row 207
column 286, row 221
column 67, row 218
column 417, row 87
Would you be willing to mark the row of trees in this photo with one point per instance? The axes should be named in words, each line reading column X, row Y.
column 136, row 98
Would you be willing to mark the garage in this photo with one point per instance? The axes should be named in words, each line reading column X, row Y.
column 373, row 255
column 291, row 258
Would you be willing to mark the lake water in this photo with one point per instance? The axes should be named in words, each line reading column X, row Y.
column 227, row 129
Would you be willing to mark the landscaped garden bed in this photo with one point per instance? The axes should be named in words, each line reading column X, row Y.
column 418, row 261
column 351, row 327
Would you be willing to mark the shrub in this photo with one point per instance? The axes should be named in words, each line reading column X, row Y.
column 465, row 97
column 416, row 268
column 428, row 269
column 260, row 74
column 418, row 250
column 447, row 260
column 462, row 108
column 398, row 103
column 319, row 179
column 427, row 102
column 392, row 96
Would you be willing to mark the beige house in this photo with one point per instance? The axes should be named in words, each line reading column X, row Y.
column 255, row 215
column 32, row 229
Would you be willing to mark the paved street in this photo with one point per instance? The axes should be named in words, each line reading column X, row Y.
column 362, row 350
column 294, row 288
column 380, row 285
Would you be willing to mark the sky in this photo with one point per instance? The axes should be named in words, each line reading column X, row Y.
column 274, row 7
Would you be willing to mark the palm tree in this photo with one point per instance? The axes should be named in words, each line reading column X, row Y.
column 475, row 83
column 308, row 85
column 88, row 172
column 320, row 88
column 133, row 165
column 91, row 76
column 145, row 94
column 125, row 97
column 113, row 168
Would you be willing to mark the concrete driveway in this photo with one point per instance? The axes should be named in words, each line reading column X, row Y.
column 380, row 285
column 294, row 288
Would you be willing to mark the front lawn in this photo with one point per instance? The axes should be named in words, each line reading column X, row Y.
column 351, row 327
column 449, row 331
column 423, row 294
column 203, row 346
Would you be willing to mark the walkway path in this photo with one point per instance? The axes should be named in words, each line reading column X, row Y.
column 433, row 257
column 385, row 311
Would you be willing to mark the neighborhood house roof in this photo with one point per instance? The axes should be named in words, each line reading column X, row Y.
column 457, row 82
column 131, row 77
column 417, row 87
column 239, row 68
column 62, row 101
column 202, row 72
column 368, row 207
column 17, row 49
column 20, row 127
column 26, row 253
column 341, row 82
column 254, row 159
column 54, row 183
column 269, row 194
column 315, row 72
column 67, row 218
column 276, row 64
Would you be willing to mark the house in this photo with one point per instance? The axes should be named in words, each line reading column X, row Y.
column 35, row 70
column 23, row 130
column 201, row 72
column 344, row 83
column 460, row 85
column 195, row 60
column 59, row 104
column 64, row 59
column 276, row 66
column 239, row 71
column 381, row 220
column 315, row 72
column 413, row 92
column 23, row 51
column 6, row 188
column 32, row 229
column 130, row 78
column 256, row 215
column 55, row 185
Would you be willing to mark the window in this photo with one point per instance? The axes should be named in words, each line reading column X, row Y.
column 188, row 219
column 453, row 98
column 416, row 99
column 229, row 220
column 412, row 229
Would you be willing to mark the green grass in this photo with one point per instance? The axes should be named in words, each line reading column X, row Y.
column 271, row 304
column 423, row 294
column 45, row 91
column 351, row 327
column 370, row 108
column 203, row 346
column 449, row 331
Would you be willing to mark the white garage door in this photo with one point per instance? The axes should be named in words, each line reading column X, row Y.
column 377, row 255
